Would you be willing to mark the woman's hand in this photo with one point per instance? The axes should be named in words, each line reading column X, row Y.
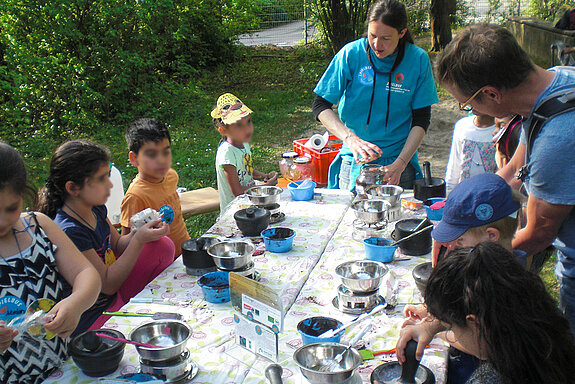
column 152, row 231
column 363, row 151
column 66, row 318
column 393, row 172
column 6, row 337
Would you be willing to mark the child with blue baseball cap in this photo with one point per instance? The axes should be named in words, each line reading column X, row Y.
column 481, row 208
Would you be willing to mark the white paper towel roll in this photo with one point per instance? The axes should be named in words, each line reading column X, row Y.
column 317, row 142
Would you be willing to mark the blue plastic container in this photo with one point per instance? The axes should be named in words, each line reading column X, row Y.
column 433, row 214
column 278, row 240
column 312, row 327
column 215, row 287
column 301, row 194
column 377, row 249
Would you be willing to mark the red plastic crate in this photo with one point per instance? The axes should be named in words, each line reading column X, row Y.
column 320, row 161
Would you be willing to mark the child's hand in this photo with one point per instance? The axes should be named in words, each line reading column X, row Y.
column 152, row 231
column 415, row 313
column 271, row 178
column 66, row 318
column 6, row 337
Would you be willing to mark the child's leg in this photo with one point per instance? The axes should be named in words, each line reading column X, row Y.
column 154, row 258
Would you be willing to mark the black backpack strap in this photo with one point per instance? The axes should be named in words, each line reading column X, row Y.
column 556, row 104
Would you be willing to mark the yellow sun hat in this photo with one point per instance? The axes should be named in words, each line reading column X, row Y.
column 230, row 109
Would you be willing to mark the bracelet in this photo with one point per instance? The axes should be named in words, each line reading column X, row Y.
column 400, row 158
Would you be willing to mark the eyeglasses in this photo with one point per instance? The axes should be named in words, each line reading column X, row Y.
column 465, row 106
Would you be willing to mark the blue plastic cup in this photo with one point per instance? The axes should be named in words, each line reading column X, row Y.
column 301, row 194
column 312, row 327
column 278, row 240
column 215, row 287
column 433, row 214
column 378, row 249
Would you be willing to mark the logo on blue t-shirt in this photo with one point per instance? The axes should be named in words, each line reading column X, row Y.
column 365, row 75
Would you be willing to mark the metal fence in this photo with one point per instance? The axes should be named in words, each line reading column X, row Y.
column 289, row 25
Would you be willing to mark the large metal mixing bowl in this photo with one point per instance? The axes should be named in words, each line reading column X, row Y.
column 264, row 194
column 391, row 193
column 310, row 358
column 171, row 335
column 371, row 211
column 232, row 255
column 361, row 275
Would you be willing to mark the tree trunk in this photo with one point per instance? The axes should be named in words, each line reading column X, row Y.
column 439, row 11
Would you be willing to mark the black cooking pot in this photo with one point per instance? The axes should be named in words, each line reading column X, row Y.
column 417, row 245
column 252, row 221
column 421, row 274
column 195, row 252
column 429, row 186
column 410, row 372
column 94, row 355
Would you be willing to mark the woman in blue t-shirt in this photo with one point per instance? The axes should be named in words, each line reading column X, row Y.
column 378, row 123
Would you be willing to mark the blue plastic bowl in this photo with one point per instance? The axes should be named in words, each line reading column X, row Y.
column 278, row 240
column 215, row 287
column 301, row 194
column 312, row 327
column 433, row 214
column 377, row 249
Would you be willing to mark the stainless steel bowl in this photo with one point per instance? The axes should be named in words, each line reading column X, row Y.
column 172, row 335
column 391, row 193
column 264, row 194
column 230, row 255
column 310, row 358
column 371, row 211
column 361, row 275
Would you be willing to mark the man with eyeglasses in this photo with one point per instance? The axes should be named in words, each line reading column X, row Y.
column 486, row 70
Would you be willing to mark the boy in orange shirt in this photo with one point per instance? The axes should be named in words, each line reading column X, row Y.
column 155, row 184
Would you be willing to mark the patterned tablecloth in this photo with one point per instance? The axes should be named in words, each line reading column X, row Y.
column 305, row 280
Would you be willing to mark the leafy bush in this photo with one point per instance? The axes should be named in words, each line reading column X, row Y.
column 70, row 67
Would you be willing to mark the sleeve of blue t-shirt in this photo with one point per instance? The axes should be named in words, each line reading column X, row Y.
column 335, row 78
column 551, row 171
column 426, row 92
column 80, row 236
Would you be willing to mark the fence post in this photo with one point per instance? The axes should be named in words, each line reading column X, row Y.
column 305, row 21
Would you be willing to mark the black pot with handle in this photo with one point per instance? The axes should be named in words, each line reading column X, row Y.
column 429, row 186
column 417, row 245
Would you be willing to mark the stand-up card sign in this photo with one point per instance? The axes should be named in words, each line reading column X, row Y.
column 256, row 338
column 260, row 316
column 257, row 302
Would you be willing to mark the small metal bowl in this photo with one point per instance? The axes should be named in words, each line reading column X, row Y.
column 310, row 358
column 371, row 211
column 172, row 335
column 231, row 255
column 264, row 194
column 361, row 275
column 391, row 193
